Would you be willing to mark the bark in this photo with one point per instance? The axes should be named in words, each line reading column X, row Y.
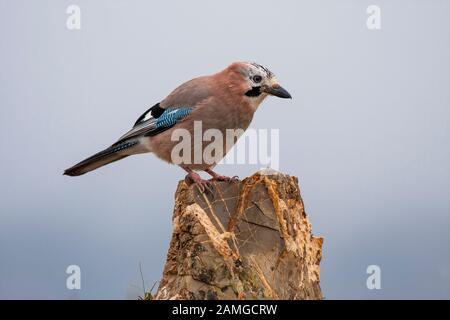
column 247, row 239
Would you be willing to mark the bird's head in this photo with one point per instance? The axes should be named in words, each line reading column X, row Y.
column 257, row 82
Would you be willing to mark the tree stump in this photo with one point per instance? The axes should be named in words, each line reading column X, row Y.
column 247, row 239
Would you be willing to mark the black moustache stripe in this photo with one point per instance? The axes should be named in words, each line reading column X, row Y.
column 254, row 92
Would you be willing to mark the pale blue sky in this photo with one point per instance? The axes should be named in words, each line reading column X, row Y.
column 367, row 134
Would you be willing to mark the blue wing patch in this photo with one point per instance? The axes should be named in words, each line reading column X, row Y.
column 156, row 123
column 171, row 116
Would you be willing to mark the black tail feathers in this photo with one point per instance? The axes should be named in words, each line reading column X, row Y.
column 114, row 153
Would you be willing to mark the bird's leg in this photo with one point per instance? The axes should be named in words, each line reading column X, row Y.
column 218, row 177
column 193, row 177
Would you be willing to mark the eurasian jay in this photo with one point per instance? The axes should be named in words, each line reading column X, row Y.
column 225, row 100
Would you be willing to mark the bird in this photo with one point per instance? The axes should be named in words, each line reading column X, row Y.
column 226, row 100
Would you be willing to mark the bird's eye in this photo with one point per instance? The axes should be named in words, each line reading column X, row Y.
column 257, row 79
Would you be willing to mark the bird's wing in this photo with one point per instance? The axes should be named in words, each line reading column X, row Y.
column 150, row 125
column 178, row 104
column 189, row 93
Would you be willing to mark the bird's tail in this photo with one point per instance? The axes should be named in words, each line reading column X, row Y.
column 115, row 152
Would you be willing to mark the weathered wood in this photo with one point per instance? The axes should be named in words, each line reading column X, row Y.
column 247, row 239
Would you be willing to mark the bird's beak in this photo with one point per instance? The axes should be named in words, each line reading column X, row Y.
column 278, row 91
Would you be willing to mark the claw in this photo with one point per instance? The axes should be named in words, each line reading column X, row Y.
column 194, row 178
column 219, row 177
column 225, row 178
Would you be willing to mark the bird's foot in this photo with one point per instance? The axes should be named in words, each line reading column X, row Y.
column 218, row 177
column 225, row 178
column 203, row 185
